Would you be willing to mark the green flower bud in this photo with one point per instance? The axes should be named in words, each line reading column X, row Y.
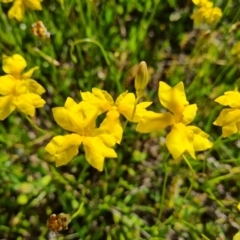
column 141, row 79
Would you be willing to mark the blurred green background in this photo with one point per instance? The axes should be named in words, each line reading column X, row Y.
column 127, row 200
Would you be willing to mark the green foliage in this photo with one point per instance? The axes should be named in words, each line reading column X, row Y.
column 144, row 193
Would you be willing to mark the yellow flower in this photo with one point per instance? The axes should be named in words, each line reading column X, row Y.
column 19, row 7
column 236, row 50
column 75, row 118
column 203, row 3
column 206, row 12
column 229, row 118
column 18, row 90
column 182, row 138
column 102, row 101
column 213, row 15
column 238, row 206
column 236, row 236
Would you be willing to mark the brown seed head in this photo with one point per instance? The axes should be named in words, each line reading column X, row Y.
column 58, row 222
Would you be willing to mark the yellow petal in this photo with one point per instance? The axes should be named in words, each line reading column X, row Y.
column 174, row 99
column 203, row 3
column 103, row 95
column 112, row 125
column 17, row 10
column 198, row 17
column 34, row 87
column 229, row 130
column 125, row 105
column 231, row 117
column 75, row 117
column 98, row 98
column 7, row 84
column 6, row 106
column 89, row 112
column 14, row 64
column 125, row 99
column 180, row 140
column 220, row 118
column 140, row 111
column 6, row 1
column 152, row 121
column 230, row 98
column 96, row 152
column 200, row 142
column 29, row 73
column 71, row 105
column 213, row 15
column 229, row 121
column 108, row 139
column 68, row 120
column 26, row 103
column 196, row 2
column 33, row 4
column 236, row 236
column 189, row 114
column 64, row 148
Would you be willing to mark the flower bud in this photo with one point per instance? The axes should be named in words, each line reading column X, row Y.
column 141, row 79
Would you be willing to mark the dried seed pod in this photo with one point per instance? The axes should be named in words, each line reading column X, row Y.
column 38, row 29
column 58, row 222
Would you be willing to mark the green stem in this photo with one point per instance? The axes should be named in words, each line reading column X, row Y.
column 193, row 176
column 220, row 178
column 164, row 186
column 105, row 187
column 194, row 228
column 35, row 126
column 135, row 107
column 213, row 197
column 208, row 153
column 88, row 40
column 189, row 165
column 45, row 56
column 78, row 212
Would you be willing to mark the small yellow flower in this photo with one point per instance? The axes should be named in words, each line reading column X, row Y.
column 182, row 138
column 81, row 122
column 229, row 118
column 206, row 12
column 102, row 101
column 19, row 7
column 18, row 90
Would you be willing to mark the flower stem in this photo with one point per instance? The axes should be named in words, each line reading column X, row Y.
column 105, row 186
column 194, row 228
column 189, row 165
column 88, row 40
column 193, row 176
column 78, row 212
column 164, row 186
column 135, row 107
column 34, row 125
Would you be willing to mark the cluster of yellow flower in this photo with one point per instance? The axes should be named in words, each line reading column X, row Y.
column 22, row 93
column 19, row 7
column 206, row 12
column 18, row 90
